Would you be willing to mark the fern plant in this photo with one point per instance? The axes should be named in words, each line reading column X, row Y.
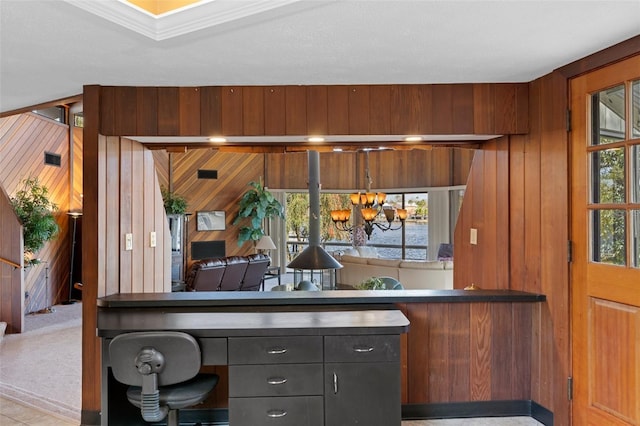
column 256, row 205
column 34, row 209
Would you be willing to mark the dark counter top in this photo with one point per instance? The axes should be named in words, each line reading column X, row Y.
column 301, row 298
column 229, row 324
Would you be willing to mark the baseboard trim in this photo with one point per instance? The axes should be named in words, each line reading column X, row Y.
column 454, row 410
column 444, row 410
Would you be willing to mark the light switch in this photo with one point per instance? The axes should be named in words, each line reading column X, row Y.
column 128, row 241
column 473, row 237
column 152, row 239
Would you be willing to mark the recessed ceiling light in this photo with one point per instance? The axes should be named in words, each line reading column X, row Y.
column 217, row 139
column 413, row 138
column 337, row 149
column 315, row 139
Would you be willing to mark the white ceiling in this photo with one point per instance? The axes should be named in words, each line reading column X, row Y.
column 49, row 49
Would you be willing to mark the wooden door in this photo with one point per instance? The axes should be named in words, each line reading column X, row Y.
column 605, row 229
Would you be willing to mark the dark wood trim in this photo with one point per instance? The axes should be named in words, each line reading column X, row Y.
column 615, row 53
column 62, row 101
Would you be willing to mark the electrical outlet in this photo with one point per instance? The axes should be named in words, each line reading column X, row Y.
column 152, row 239
column 128, row 241
column 473, row 236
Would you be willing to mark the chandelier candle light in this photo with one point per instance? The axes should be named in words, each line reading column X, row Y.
column 370, row 205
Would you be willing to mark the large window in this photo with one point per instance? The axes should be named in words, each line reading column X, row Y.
column 411, row 241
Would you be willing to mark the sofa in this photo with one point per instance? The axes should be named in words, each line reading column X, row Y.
column 412, row 274
column 233, row 273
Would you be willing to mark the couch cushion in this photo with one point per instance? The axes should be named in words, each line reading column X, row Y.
column 353, row 259
column 391, row 263
column 421, row 264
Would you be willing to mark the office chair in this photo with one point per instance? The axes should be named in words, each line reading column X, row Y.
column 391, row 283
column 161, row 369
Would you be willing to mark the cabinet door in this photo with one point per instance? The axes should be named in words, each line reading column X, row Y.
column 362, row 394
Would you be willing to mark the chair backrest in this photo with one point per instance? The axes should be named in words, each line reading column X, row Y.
column 233, row 273
column 179, row 351
column 258, row 264
column 445, row 251
column 391, row 283
column 148, row 361
column 206, row 275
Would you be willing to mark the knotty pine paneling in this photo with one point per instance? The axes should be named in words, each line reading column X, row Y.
column 24, row 139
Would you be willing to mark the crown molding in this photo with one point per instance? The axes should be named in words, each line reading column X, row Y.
column 195, row 17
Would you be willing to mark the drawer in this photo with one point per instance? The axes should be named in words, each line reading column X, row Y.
column 275, row 380
column 280, row 411
column 363, row 348
column 275, row 350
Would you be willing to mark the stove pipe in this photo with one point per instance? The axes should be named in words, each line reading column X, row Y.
column 314, row 257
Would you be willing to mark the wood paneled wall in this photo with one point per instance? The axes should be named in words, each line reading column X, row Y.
column 11, row 277
column 468, row 352
column 443, row 109
column 129, row 193
column 24, row 139
column 235, row 171
column 517, row 199
column 388, row 169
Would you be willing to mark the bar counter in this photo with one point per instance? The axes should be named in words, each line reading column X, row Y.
column 326, row 297
column 466, row 351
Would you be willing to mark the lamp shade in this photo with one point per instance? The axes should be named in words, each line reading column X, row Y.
column 265, row 243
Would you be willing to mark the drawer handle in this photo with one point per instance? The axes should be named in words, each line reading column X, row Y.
column 277, row 351
column 363, row 349
column 276, row 413
column 276, row 380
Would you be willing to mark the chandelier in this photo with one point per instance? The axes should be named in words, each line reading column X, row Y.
column 370, row 205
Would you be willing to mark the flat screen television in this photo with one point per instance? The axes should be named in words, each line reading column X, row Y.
column 207, row 249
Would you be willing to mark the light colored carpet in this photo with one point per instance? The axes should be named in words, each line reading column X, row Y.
column 42, row 366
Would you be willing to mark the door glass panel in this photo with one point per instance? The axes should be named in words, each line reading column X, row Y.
column 635, row 108
column 608, row 116
column 608, row 184
column 635, row 238
column 635, row 173
column 609, row 231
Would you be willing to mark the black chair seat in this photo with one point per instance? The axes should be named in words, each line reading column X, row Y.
column 181, row 395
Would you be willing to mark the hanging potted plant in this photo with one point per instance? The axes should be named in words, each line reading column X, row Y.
column 173, row 203
column 256, row 205
column 35, row 211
